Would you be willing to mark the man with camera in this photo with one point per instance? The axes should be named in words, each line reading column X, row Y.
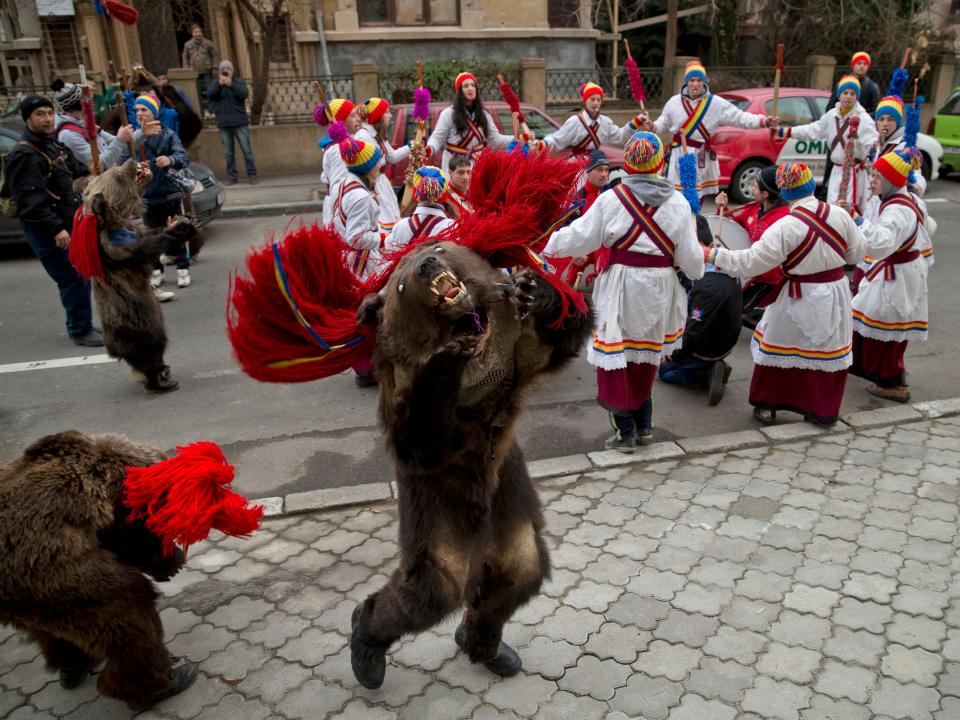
column 227, row 95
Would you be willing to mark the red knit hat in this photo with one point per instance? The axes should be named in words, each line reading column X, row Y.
column 462, row 78
column 860, row 56
column 588, row 89
column 375, row 108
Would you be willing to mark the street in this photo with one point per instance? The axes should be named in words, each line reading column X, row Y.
column 288, row 438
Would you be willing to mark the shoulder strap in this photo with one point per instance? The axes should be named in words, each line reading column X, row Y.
column 345, row 188
column 817, row 229
column 906, row 202
column 423, row 227
column 73, row 127
column 643, row 222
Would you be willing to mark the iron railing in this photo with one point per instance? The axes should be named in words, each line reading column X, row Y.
column 291, row 99
column 10, row 98
column 397, row 87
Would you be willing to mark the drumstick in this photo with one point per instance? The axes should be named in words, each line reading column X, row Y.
column 720, row 229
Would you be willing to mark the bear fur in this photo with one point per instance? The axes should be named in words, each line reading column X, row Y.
column 458, row 344
column 133, row 328
column 71, row 570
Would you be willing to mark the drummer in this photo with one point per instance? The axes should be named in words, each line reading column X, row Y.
column 755, row 217
column 714, row 311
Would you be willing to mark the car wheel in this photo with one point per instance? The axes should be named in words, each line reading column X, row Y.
column 927, row 167
column 741, row 183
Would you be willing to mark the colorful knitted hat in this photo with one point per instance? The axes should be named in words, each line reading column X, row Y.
column 462, row 78
column 335, row 110
column 895, row 166
column 429, row 184
column 848, row 82
column 643, row 154
column 149, row 102
column 860, row 56
column 694, row 69
column 795, row 181
column 375, row 108
column 360, row 157
column 891, row 106
column 588, row 89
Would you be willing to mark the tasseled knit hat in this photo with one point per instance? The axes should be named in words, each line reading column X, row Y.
column 588, row 89
column 860, row 56
column 891, row 106
column 332, row 111
column 694, row 69
column 429, row 184
column 848, row 82
column 375, row 108
column 643, row 154
column 795, row 181
column 895, row 166
column 66, row 95
column 360, row 157
column 462, row 78
column 149, row 102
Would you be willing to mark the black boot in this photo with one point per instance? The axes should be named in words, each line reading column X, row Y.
column 160, row 382
column 369, row 661
column 182, row 676
column 715, row 383
column 507, row 662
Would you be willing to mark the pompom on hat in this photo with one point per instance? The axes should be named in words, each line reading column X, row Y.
column 374, row 109
column 860, row 56
column 149, row 102
column 588, row 89
column 643, row 154
column 795, row 181
column 895, row 166
column 335, row 110
column 848, row 82
column 462, row 78
column 429, row 184
column 694, row 69
column 890, row 106
column 360, row 157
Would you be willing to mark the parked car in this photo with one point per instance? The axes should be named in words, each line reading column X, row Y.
column 540, row 123
column 744, row 153
column 208, row 194
column 945, row 127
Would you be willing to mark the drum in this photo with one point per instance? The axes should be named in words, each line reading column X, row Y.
column 732, row 236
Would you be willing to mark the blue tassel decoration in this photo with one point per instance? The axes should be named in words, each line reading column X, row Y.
column 912, row 122
column 898, row 82
column 98, row 7
column 688, row 179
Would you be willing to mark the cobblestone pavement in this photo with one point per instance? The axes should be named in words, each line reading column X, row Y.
column 807, row 580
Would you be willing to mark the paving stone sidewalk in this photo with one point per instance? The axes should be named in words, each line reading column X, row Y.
column 811, row 580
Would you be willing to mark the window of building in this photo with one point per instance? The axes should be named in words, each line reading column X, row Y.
column 282, row 50
column 563, row 13
column 61, row 45
column 409, row 12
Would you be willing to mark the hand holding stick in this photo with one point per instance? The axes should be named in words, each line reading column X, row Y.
column 90, row 120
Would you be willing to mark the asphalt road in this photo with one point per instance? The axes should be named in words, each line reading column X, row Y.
column 287, row 438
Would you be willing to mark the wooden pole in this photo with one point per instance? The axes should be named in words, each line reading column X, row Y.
column 615, row 44
column 670, row 47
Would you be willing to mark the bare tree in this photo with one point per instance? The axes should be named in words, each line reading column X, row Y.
column 268, row 17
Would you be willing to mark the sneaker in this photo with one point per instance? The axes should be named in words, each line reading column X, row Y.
column 899, row 394
column 94, row 338
column 253, row 179
column 156, row 278
column 644, row 435
column 183, row 278
column 507, row 663
column 182, row 676
column 163, row 295
column 231, row 181
column 767, row 417
column 625, row 445
column 715, row 383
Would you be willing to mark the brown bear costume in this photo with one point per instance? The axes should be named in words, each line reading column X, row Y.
column 71, row 570
column 458, row 343
column 133, row 328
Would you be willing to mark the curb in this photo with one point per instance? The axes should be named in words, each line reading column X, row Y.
column 373, row 493
column 297, row 208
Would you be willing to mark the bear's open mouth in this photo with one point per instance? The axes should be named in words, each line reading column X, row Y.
column 447, row 288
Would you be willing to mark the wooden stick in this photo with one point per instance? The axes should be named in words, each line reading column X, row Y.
column 906, row 58
column 318, row 88
column 778, row 68
column 720, row 229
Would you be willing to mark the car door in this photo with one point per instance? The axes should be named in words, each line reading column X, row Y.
column 9, row 227
column 947, row 127
column 800, row 110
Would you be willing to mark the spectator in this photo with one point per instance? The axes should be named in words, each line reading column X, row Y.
column 227, row 95
column 200, row 54
column 72, row 129
column 40, row 173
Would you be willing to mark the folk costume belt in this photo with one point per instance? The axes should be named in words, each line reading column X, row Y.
column 636, row 259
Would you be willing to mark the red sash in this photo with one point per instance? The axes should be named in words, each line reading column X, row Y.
column 592, row 137
column 905, row 253
column 817, row 230
column 423, row 227
column 643, row 223
column 474, row 134
column 841, row 129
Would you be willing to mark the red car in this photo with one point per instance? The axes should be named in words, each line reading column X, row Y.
column 744, row 153
column 540, row 124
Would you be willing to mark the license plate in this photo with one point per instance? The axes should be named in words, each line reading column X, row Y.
column 221, row 197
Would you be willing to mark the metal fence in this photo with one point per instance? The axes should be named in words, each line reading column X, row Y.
column 397, row 87
column 10, row 98
column 881, row 75
column 291, row 100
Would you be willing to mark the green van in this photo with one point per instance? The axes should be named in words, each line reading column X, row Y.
column 945, row 127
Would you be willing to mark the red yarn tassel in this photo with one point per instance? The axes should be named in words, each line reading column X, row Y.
column 511, row 99
column 85, row 245
column 184, row 497
column 121, row 12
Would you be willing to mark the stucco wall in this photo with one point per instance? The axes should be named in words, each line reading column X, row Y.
column 277, row 149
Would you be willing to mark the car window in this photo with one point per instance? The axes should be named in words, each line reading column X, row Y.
column 539, row 125
column 6, row 143
column 952, row 107
column 739, row 103
column 791, row 111
column 821, row 103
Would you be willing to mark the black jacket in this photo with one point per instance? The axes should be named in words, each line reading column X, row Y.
column 42, row 190
column 714, row 311
column 227, row 103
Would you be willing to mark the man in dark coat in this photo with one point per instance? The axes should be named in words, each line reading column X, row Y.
column 39, row 173
column 227, row 95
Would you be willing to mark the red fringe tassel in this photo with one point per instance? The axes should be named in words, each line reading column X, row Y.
column 85, row 245
column 121, row 12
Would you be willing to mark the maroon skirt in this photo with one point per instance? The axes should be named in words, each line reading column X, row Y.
column 625, row 390
column 879, row 361
column 815, row 394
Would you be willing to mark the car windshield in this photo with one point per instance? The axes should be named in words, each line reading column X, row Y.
column 952, row 106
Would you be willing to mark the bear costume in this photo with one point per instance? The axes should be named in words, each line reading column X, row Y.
column 118, row 257
column 72, row 567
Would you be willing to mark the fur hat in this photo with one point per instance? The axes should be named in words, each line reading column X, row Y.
column 860, row 56
column 429, row 184
column 360, row 157
column 149, row 102
column 66, row 95
column 588, row 89
column 375, row 108
column 694, row 69
column 31, row 103
column 462, row 78
column 890, row 106
column 643, row 154
column 895, row 166
column 795, row 181
column 848, row 82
